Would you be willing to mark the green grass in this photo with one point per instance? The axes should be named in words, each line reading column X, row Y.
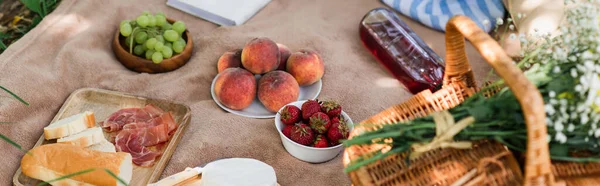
column 41, row 8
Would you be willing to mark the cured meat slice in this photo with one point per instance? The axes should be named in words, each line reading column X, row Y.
column 129, row 141
column 153, row 111
column 117, row 120
column 142, row 132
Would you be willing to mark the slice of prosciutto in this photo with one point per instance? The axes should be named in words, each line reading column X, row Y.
column 117, row 120
column 128, row 141
column 143, row 133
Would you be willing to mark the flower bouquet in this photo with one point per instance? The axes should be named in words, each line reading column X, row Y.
column 566, row 71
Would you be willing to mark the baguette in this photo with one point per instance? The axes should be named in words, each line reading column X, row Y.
column 70, row 125
column 104, row 146
column 85, row 138
column 48, row 162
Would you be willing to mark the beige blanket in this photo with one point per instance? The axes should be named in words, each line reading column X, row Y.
column 71, row 49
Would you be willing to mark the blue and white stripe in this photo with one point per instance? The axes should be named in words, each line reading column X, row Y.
column 435, row 13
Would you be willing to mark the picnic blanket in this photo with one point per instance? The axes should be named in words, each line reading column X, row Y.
column 70, row 49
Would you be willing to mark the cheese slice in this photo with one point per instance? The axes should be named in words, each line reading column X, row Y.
column 238, row 172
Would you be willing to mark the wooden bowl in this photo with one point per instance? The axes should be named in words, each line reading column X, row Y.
column 139, row 64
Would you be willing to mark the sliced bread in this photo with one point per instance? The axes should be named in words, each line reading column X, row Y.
column 104, row 146
column 49, row 162
column 85, row 138
column 70, row 125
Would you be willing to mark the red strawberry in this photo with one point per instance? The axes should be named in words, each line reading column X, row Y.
column 302, row 134
column 335, row 120
column 319, row 122
column 321, row 142
column 338, row 131
column 309, row 108
column 331, row 108
column 290, row 115
column 287, row 130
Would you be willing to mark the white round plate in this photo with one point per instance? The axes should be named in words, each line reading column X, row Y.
column 257, row 110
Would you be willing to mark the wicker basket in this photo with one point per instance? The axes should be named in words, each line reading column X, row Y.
column 447, row 166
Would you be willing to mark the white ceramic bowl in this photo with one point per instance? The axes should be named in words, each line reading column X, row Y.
column 306, row 153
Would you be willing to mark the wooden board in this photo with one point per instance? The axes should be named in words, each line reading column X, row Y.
column 105, row 102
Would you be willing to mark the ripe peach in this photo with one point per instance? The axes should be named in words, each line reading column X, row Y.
column 276, row 89
column 260, row 55
column 284, row 54
column 235, row 88
column 306, row 66
column 230, row 59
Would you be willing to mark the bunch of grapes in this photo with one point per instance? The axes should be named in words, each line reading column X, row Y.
column 152, row 37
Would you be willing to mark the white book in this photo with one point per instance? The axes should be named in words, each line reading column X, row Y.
column 222, row 12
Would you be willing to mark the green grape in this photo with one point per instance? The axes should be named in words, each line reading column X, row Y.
column 160, row 14
column 167, row 52
column 123, row 22
column 159, row 46
column 127, row 40
column 146, row 12
column 171, row 35
column 160, row 38
column 178, row 46
column 138, row 50
column 181, row 40
column 151, row 20
column 151, row 42
column 157, row 57
column 141, row 37
column 142, row 20
column 144, row 47
column 167, row 26
column 125, row 29
column 160, row 20
column 169, row 45
column 179, row 27
column 149, row 54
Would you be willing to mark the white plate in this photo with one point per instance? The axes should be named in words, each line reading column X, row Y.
column 257, row 109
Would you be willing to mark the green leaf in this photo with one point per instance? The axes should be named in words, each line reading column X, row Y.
column 66, row 176
column 115, row 176
column 9, row 141
column 34, row 5
column 14, row 95
column 559, row 150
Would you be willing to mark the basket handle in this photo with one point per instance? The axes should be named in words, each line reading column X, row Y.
column 537, row 164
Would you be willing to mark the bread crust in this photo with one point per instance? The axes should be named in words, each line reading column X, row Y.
column 51, row 161
column 89, row 121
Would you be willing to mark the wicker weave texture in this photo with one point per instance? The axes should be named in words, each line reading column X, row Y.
column 458, row 84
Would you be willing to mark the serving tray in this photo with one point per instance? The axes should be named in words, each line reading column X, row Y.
column 105, row 102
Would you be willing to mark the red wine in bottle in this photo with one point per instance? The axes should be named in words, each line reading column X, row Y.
column 401, row 51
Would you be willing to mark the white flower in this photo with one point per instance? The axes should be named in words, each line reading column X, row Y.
column 552, row 94
column 560, row 137
column 559, row 127
column 556, row 69
column 573, row 73
column 549, row 109
column 486, row 22
column 499, row 21
column 571, row 127
column 511, row 27
column 587, row 139
column 597, row 133
column 519, row 16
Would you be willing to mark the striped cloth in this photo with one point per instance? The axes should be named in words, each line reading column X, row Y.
column 435, row 13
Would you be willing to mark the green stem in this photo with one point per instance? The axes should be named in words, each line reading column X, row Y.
column 355, row 165
column 14, row 95
column 131, row 40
